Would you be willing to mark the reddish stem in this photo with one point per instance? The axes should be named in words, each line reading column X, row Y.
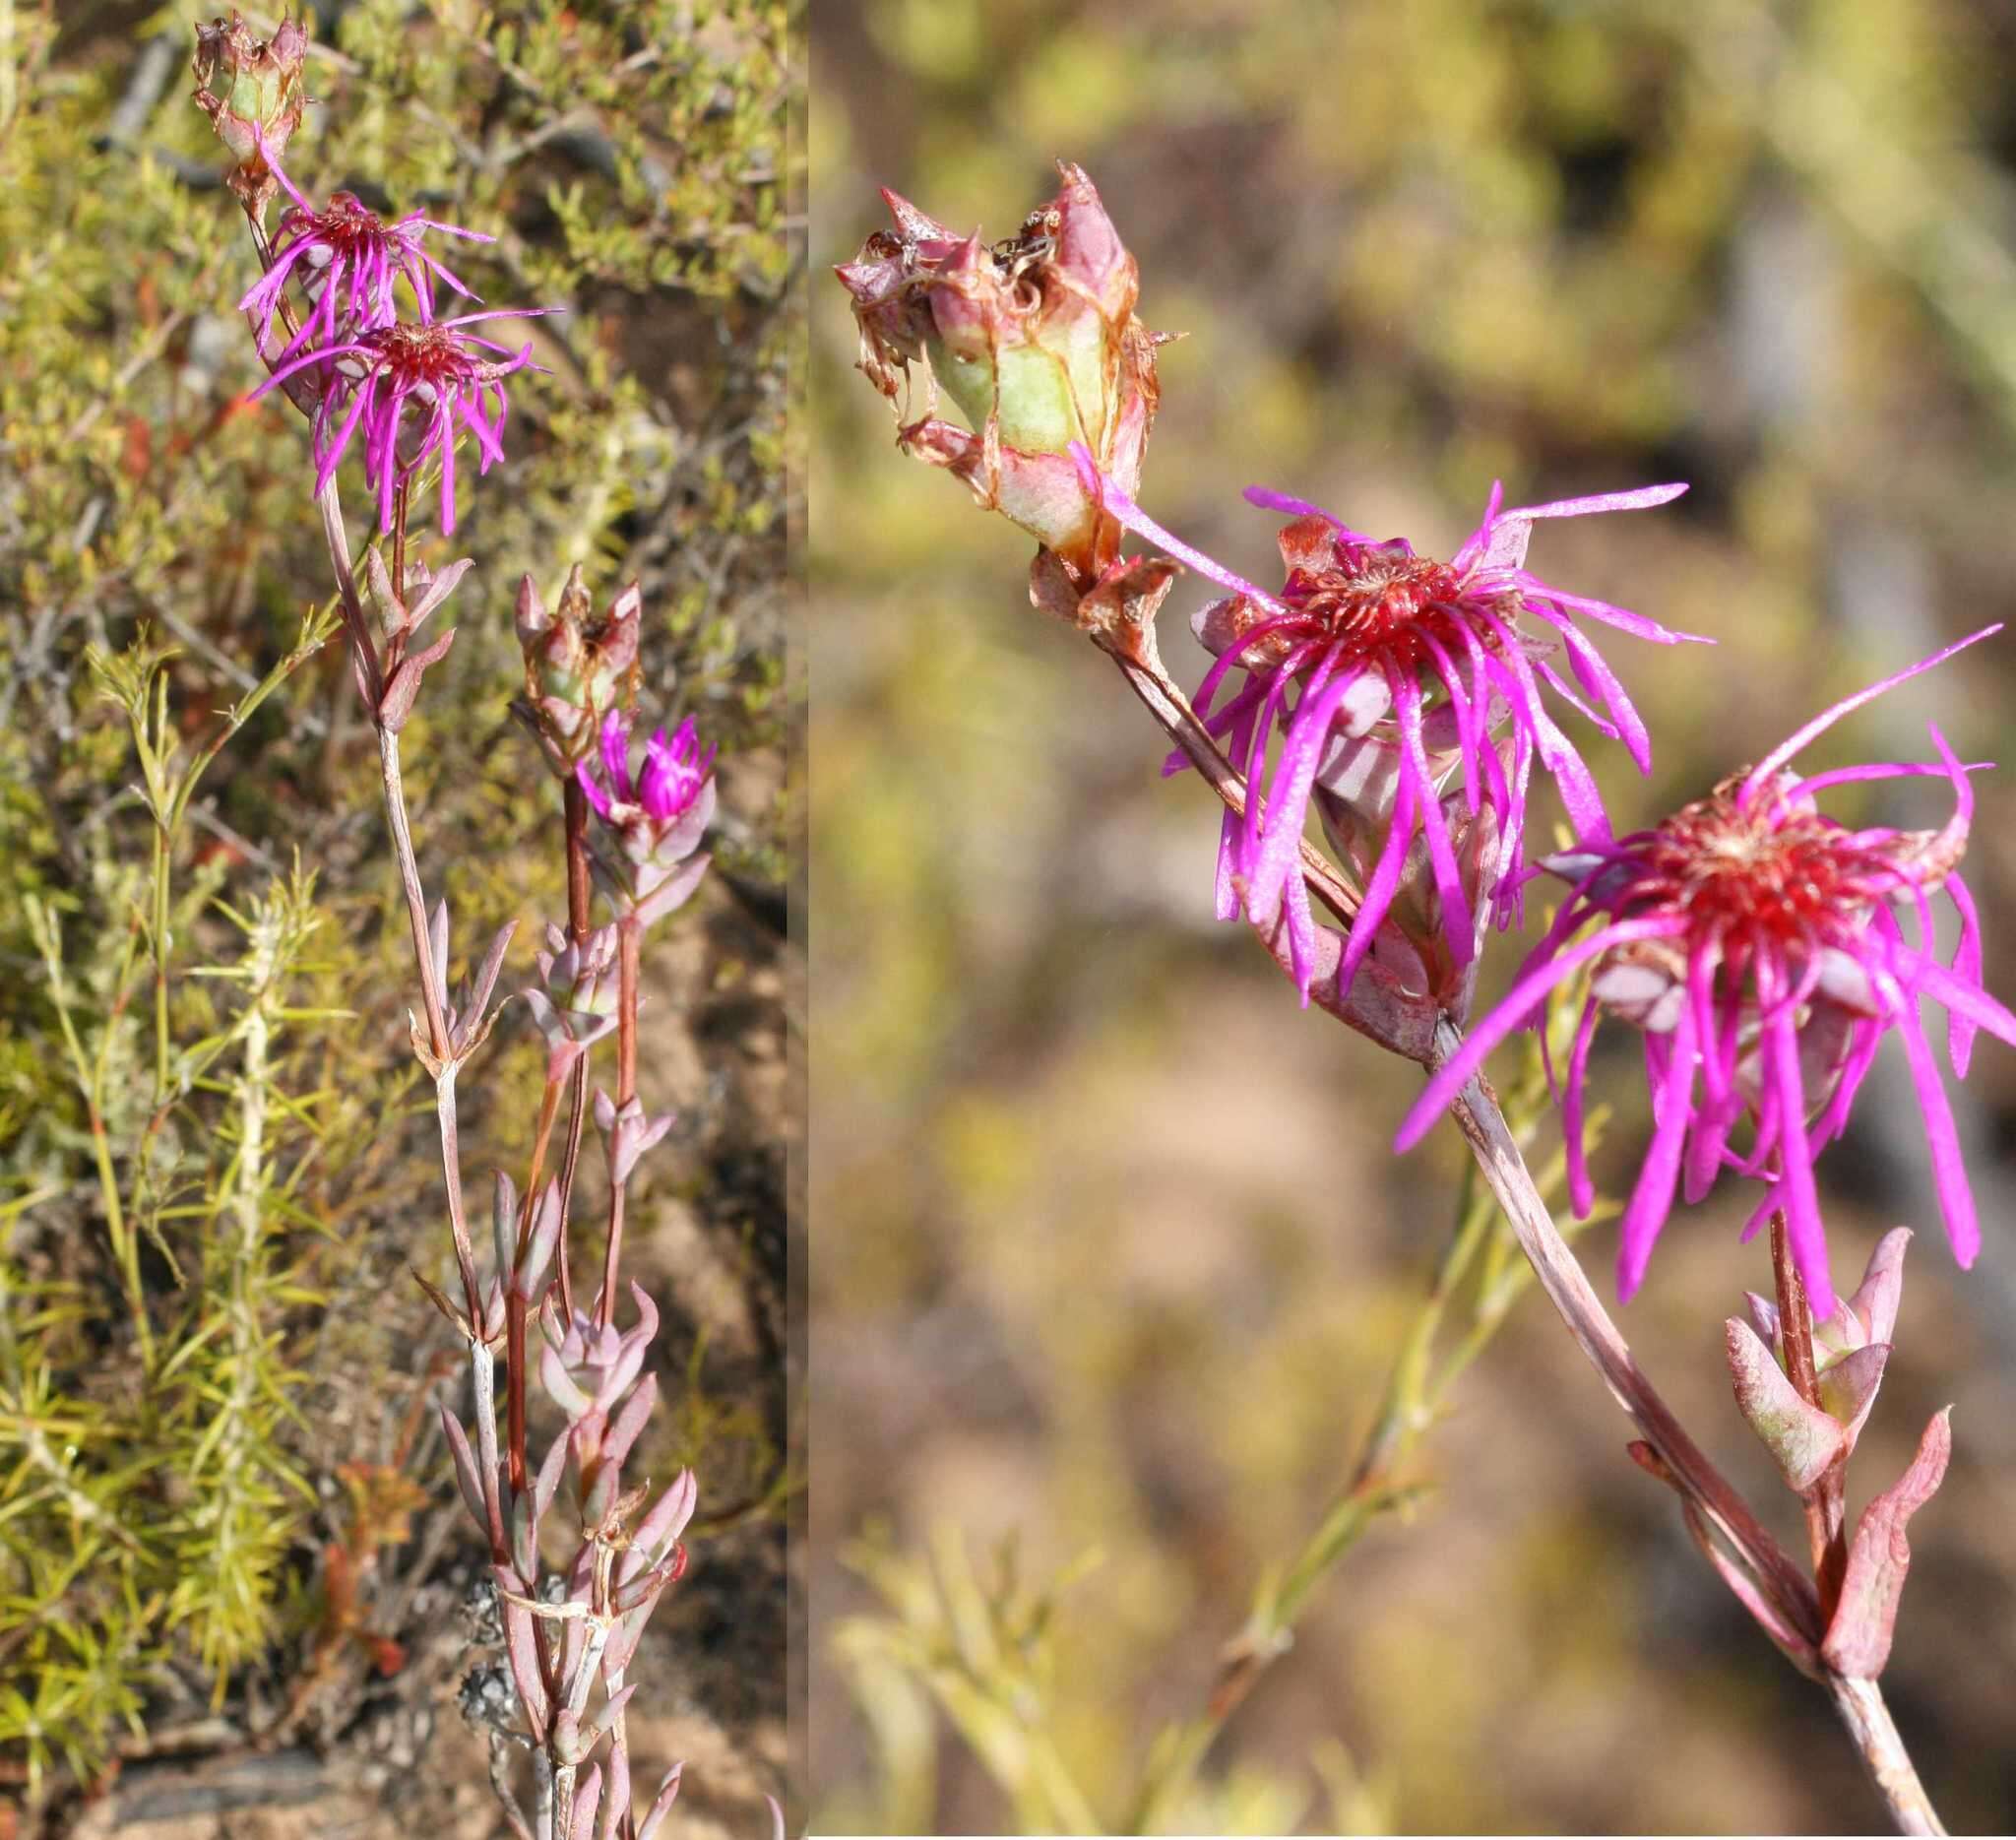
column 575, row 805
column 1825, row 1502
column 629, row 949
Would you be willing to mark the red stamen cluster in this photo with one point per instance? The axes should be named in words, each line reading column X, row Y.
column 1740, row 872
column 1381, row 599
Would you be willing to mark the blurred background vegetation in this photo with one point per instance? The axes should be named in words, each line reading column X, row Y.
column 231, row 1561
column 1111, row 1253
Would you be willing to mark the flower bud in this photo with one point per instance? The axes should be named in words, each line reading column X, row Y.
column 1035, row 341
column 580, row 668
column 251, row 90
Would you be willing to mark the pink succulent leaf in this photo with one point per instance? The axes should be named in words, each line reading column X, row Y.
column 1837, row 1335
column 667, row 1518
column 661, row 1805
column 605, row 1717
column 560, row 1386
column 437, row 942
column 587, row 1799
column 540, row 1243
column 477, row 1002
column 1876, row 1298
column 674, row 892
column 436, row 590
column 641, row 1591
column 1859, row 1638
column 628, row 1424
column 1803, row 1441
column 522, row 1649
column 464, row 1467
column 1848, row 1386
column 1764, row 1318
column 504, row 1220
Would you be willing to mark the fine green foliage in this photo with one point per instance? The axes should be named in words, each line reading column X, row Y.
column 211, row 1175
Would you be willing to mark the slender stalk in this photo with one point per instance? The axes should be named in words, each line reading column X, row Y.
column 1824, row 1503
column 1575, row 1300
column 89, row 1082
column 580, row 919
column 1860, row 1703
column 160, row 961
column 513, row 1300
column 1860, row 1706
column 629, row 945
column 416, row 898
column 399, row 540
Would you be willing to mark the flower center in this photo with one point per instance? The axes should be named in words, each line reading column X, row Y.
column 1762, row 872
column 1382, row 599
column 347, row 226
column 412, row 354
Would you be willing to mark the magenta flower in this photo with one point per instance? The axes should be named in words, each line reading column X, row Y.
column 347, row 259
column 1756, row 942
column 372, row 380
column 673, row 771
column 652, row 823
column 1388, row 671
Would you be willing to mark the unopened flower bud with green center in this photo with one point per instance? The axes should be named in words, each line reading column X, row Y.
column 579, row 669
column 251, row 90
column 1035, row 343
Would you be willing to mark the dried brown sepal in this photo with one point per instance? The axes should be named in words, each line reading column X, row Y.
column 251, row 90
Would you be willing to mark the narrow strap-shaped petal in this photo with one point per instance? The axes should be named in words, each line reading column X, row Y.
column 1581, row 1190
column 1141, row 524
column 1269, row 500
column 1458, row 931
column 1639, row 498
column 1652, row 1197
column 1802, row 1223
column 1949, row 1166
column 1763, row 772
column 1377, row 900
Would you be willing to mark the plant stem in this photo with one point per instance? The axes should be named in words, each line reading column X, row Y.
column 1824, row 1503
column 574, row 802
column 629, row 945
column 160, row 960
column 1860, row 1703
column 416, row 898
column 1575, row 1300
column 398, row 541
column 1860, row 1706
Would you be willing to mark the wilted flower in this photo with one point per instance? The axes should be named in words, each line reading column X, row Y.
column 347, row 259
column 1755, row 942
column 1035, row 340
column 578, row 668
column 371, row 380
column 1388, row 672
column 652, row 823
column 251, row 90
